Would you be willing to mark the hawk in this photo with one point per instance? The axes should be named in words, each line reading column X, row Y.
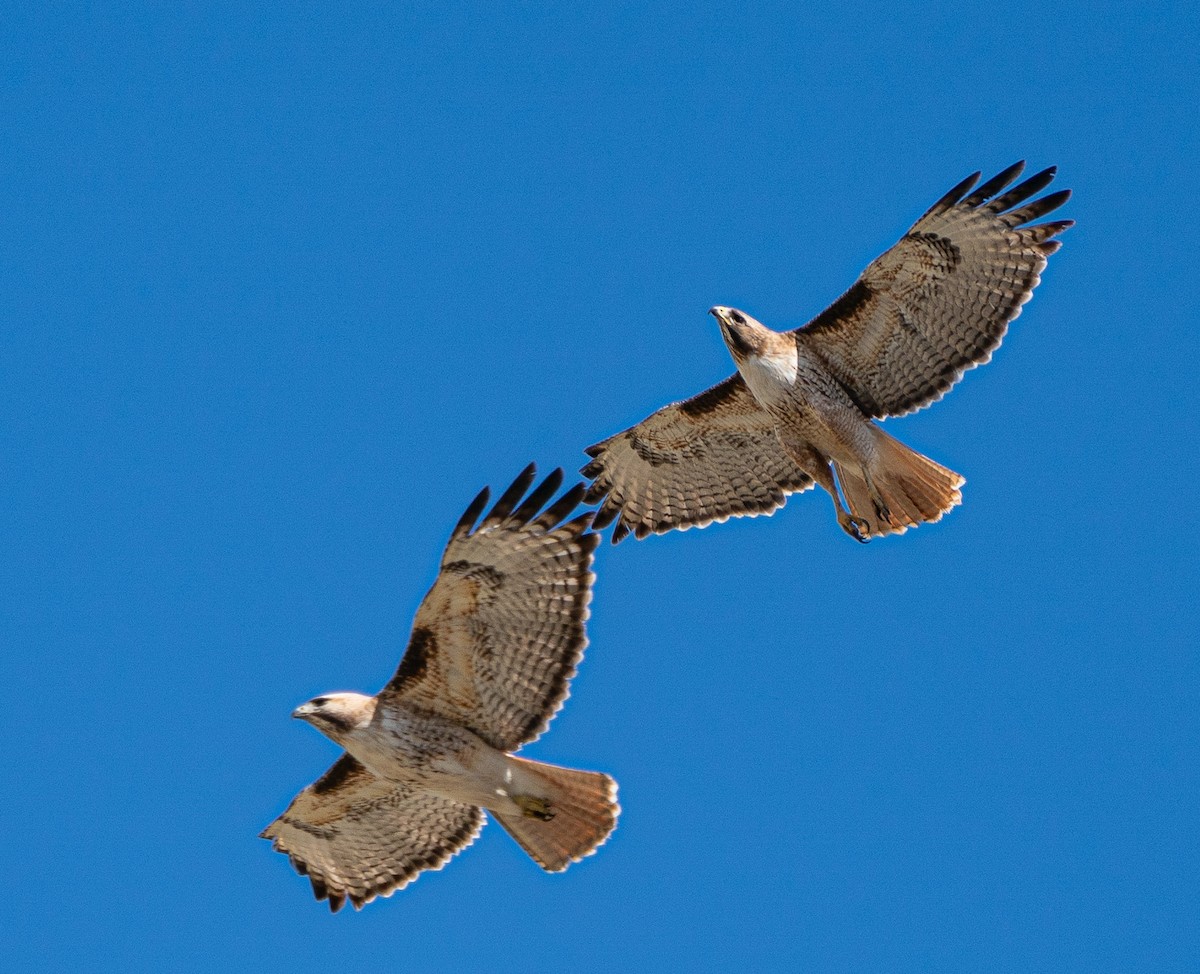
column 801, row 405
column 493, row 646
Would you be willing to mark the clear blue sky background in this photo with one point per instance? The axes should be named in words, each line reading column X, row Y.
column 285, row 285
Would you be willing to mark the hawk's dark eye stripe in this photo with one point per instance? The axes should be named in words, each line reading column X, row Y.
column 738, row 340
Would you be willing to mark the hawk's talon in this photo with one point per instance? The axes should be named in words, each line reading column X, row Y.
column 532, row 807
column 857, row 527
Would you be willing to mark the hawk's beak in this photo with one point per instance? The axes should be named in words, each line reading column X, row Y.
column 303, row 711
column 722, row 316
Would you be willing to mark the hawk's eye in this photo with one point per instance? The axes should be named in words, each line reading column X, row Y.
column 319, row 701
column 736, row 316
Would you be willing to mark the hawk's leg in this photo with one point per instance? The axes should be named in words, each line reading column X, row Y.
column 858, row 528
column 881, row 508
column 532, row 807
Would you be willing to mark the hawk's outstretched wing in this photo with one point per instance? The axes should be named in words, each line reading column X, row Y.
column 357, row 836
column 712, row 457
column 498, row 637
column 939, row 301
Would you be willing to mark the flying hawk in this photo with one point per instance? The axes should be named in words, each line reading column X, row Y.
column 801, row 405
column 494, row 644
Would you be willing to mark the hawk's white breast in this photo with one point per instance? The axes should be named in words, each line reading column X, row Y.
column 771, row 376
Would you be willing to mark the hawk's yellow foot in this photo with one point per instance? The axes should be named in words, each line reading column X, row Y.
column 532, row 807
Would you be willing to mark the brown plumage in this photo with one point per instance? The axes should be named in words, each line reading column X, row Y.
column 800, row 407
column 493, row 649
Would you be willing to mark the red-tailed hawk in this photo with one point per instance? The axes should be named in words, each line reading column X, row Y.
column 493, row 647
column 800, row 407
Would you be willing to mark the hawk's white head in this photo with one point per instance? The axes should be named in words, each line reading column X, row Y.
column 337, row 715
column 766, row 358
column 744, row 336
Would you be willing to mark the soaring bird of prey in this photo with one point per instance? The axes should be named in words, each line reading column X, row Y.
column 494, row 645
column 801, row 405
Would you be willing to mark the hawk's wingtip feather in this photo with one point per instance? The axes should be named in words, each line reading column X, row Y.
column 471, row 514
column 508, row 500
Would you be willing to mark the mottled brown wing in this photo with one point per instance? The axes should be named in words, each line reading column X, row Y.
column 498, row 637
column 357, row 837
column 939, row 301
column 706, row 459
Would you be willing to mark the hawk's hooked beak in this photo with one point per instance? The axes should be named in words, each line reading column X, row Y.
column 722, row 316
column 730, row 322
column 303, row 712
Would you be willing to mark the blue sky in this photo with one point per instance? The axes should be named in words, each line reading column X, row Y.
column 285, row 285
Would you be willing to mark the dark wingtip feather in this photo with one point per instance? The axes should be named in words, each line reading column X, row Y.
column 620, row 531
column 956, row 193
column 594, row 450
column 590, row 539
column 508, row 500
column 1053, row 201
column 1038, row 208
column 995, row 184
column 592, row 469
column 471, row 514
column 1022, row 191
column 607, row 512
column 538, row 496
column 321, row 892
column 556, row 512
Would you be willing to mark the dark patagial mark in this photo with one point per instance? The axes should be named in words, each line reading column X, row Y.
column 344, row 769
column 712, row 399
column 421, row 646
column 847, row 306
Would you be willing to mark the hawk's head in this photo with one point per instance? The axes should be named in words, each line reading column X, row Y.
column 337, row 714
column 744, row 336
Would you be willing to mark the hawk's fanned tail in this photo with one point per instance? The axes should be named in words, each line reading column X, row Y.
column 582, row 813
column 914, row 489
